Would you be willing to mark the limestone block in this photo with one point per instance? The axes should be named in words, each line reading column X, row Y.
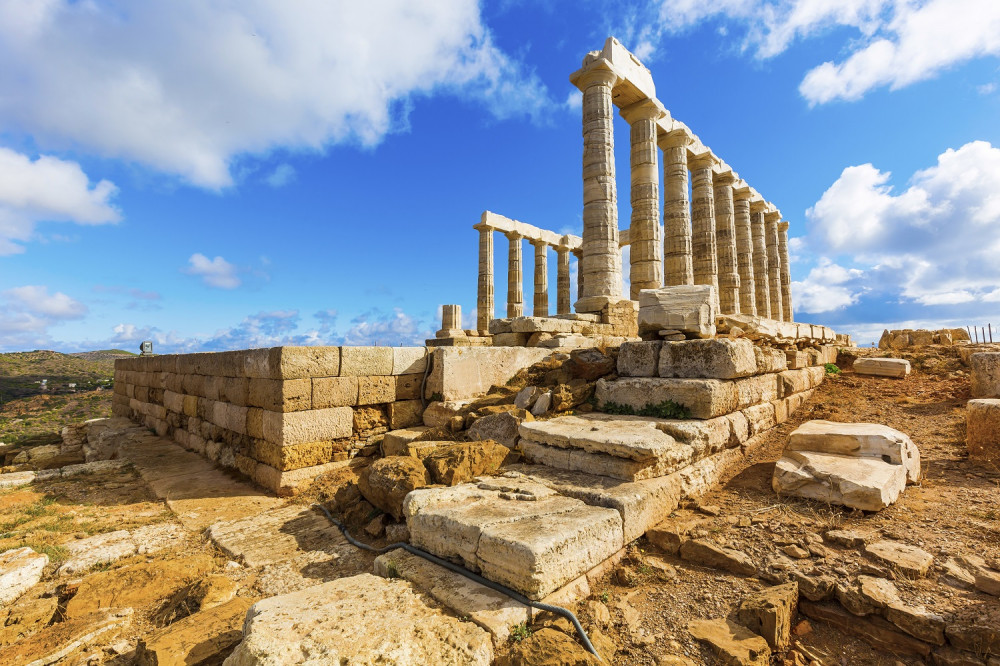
column 440, row 413
column 761, row 418
column 409, row 360
column 173, row 402
column 690, row 309
column 860, row 483
column 631, row 437
column 292, row 362
column 769, row 613
column 397, row 442
column 600, row 464
column 734, row 644
column 376, row 390
column 310, row 426
column 983, row 430
column 366, row 361
column 705, row 398
column 405, row 414
column 871, row 440
column 363, row 619
column 280, row 395
column 20, row 569
column 463, row 372
column 334, row 392
column 985, row 368
column 796, row 359
column 710, row 359
column 639, row 359
column 291, row 482
column 511, row 339
column 543, row 325
column 293, row 456
column 408, row 386
column 234, row 418
column 882, row 367
column 708, row 436
column 770, row 360
column 903, row 557
column 797, row 381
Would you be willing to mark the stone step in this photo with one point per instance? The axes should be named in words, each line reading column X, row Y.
column 514, row 531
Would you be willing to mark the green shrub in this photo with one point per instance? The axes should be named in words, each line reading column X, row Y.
column 668, row 409
column 832, row 369
column 519, row 632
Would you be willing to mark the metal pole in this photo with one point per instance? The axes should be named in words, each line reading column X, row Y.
column 976, row 331
column 991, row 332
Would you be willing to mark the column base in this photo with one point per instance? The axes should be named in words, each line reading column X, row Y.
column 594, row 304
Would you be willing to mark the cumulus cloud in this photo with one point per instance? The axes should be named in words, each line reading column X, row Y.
column 934, row 243
column 214, row 272
column 898, row 42
column 387, row 329
column 47, row 189
column 27, row 313
column 188, row 86
column 281, row 176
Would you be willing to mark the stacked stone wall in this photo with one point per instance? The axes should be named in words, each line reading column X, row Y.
column 279, row 415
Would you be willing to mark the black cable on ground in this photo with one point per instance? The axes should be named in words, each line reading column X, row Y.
column 513, row 594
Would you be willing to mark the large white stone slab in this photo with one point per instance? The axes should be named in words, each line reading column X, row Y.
column 882, row 367
column 690, row 309
column 872, row 440
column 857, row 482
column 459, row 373
column 20, row 569
column 632, row 437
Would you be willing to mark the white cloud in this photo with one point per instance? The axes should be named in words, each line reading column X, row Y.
column 986, row 89
column 827, row 287
column 214, row 272
column 934, row 243
column 281, row 176
column 387, row 329
column 47, row 189
column 899, row 42
column 27, row 313
column 574, row 100
column 188, row 86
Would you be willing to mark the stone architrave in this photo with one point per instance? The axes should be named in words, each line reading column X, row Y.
column 601, row 264
column 677, row 266
column 484, row 293
column 758, row 236
column 645, row 266
column 705, row 262
column 786, row 276
column 771, row 220
column 562, row 281
column 515, row 279
column 744, row 248
column 540, row 306
column 725, row 241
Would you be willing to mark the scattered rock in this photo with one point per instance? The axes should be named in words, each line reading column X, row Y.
column 795, row 551
column 500, row 428
column 917, row 621
column 459, row 463
column 59, row 640
column 20, row 569
column 733, row 644
column 873, row 629
column 904, row 558
column 769, row 613
column 708, row 554
column 526, row 397
column 361, row 619
column 549, row 647
column 589, row 364
column 203, row 594
column 599, row 613
column 868, row 484
column 815, row 588
column 866, row 595
column 388, row 480
column 200, row 638
column 848, row 538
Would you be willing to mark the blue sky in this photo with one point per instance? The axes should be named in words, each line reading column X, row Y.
column 217, row 175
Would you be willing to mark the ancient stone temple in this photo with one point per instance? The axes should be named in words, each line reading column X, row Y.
column 727, row 235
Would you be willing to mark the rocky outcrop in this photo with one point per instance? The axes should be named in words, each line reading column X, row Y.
column 20, row 569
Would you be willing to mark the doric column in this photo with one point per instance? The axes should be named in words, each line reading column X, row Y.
column 744, row 248
column 706, row 267
column 786, row 273
column 562, row 281
column 484, row 291
column 761, row 273
column 451, row 318
column 601, row 264
column 515, row 280
column 677, row 266
column 645, row 265
column 771, row 219
column 541, row 303
column 725, row 241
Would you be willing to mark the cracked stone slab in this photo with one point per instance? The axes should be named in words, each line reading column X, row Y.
column 860, row 483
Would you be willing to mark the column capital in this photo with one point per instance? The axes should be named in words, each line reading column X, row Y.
column 757, row 205
column 482, row 226
column 513, row 235
column 704, row 160
column 723, row 175
column 644, row 109
column 599, row 71
column 783, row 226
column 677, row 138
column 741, row 191
column 772, row 216
column 538, row 242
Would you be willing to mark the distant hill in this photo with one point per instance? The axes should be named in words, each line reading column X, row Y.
column 21, row 373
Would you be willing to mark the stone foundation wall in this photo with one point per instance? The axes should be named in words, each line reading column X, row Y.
column 281, row 415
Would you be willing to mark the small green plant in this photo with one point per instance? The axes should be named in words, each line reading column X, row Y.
column 668, row 409
column 519, row 632
column 604, row 597
column 392, row 569
column 436, row 397
column 832, row 369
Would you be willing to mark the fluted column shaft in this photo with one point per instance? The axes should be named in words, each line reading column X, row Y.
column 540, row 306
column 645, row 265
column 771, row 220
column 562, row 281
column 706, row 267
column 786, row 272
column 725, row 243
column 601, row 265
column 677, row 263
column 484, row 291
column 744, row 250
column 761, row 273
column 515, row 279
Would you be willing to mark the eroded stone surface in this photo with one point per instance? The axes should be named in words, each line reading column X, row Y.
column 691, row 309
column 882, row 367
column 733, row 644
column 907, row 559
column 861, row 483
column 858, row 439
column 20, row 569
column 361, row 619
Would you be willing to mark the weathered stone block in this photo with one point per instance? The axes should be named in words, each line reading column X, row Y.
column 709, row 359
column 796, row 381
column 310, row 426
column 376, row 390
column 796, row 359
column 397, row 442
column 770, row 613
column 705, row 398
column 408, row 387
column 860, row 483
column 463, row 372
column 405, row 414
column 985, row 367
column 294, row 456
column 409, row 360
column 871, row 440
column 236, row 390
column 983, row 430
column 292, row 362
column 639, row 359
column 735, row 645
column 366, row 361
column 334, row 392
column 690, row 309
column 882, row 367
column 280, row 395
